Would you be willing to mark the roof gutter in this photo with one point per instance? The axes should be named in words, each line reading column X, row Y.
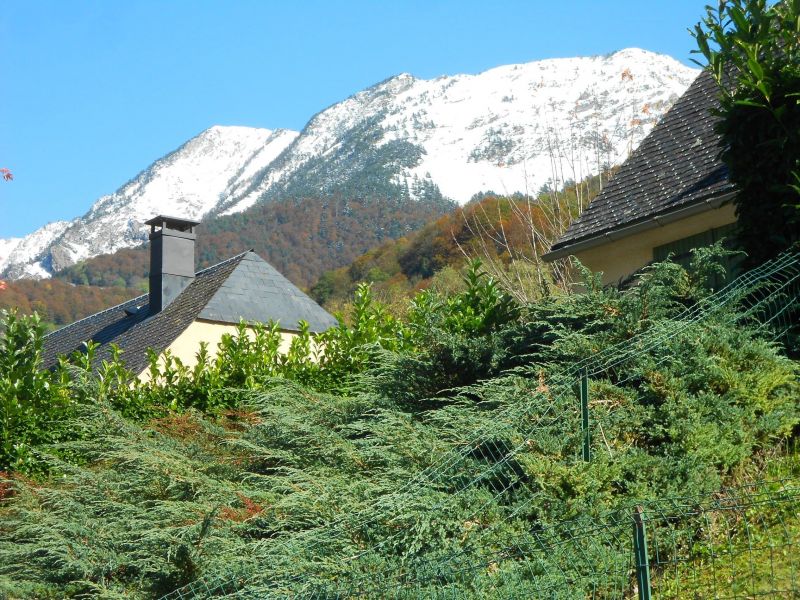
column 710, row 203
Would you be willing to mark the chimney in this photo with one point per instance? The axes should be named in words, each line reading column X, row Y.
column 171, row 259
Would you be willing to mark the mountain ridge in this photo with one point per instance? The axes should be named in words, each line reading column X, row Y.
column 512, row 127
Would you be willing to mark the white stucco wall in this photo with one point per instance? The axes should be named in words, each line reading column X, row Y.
column 187, row 344
column 617, row 259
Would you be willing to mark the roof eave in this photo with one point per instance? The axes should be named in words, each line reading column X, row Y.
column 659, row 220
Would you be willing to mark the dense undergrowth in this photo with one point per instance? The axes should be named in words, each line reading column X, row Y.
column 411, row 454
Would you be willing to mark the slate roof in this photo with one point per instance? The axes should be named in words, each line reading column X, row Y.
column 675, row 166
column 244, row 286
column 256, row 291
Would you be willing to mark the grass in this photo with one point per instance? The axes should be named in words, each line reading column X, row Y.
column 748, row 548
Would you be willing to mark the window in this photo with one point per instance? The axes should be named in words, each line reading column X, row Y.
column 681, row 251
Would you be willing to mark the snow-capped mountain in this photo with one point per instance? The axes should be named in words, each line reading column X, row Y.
column 511, row 129
column 188, row 182
column 23, row 252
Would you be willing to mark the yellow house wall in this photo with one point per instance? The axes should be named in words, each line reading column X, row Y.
column 187, row 344
column 617, row 259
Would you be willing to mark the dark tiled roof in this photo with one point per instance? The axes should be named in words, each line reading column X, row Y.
column 242, row 287
column 101, row 327
column 255, row 291
column 134, row 334
column 675, row 166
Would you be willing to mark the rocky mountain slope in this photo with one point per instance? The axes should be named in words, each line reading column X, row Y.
column 511, row 129
column 188, row 182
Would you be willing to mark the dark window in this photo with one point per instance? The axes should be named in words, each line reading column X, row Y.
column 681, row 251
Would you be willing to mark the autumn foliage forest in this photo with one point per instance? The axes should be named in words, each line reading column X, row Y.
column 301, row 238
column 330, row 245
column 58, row 302
column 508, row 234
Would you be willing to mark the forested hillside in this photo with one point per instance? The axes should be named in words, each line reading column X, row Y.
column 60, row 303
column 509, row 234
column 331, row 245
column 301, row 238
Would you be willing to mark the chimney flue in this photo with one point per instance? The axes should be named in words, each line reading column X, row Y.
column 171, row 259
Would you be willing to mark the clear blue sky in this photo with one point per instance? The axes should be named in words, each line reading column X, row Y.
column 92, row 92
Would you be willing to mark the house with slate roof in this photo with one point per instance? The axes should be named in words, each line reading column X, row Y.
column 184, row 308
column 672, row 194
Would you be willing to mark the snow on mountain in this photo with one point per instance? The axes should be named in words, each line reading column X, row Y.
column 510, row 129
column 7, row 246
column 260, row 160
column 24, row 252
column 187, row 182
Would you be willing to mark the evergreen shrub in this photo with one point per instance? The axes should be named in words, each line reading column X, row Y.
column 428, row 445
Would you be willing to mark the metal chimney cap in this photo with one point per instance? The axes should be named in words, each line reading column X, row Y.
column 175, row 223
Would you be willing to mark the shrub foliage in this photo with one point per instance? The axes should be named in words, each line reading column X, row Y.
column 753, row 50
column 329, row 463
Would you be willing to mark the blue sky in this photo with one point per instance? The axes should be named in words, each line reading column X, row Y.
column 94, row 91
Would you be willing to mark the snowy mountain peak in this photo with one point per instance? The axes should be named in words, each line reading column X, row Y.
column 24, row 252
column 510, row 128
column 189, row 181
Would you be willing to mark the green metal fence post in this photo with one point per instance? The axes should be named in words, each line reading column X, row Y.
column 640, row 552
column 584, row 395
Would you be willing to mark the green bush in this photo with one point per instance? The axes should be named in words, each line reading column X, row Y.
column 31, row 407
column 753, row 50
column 416, row 450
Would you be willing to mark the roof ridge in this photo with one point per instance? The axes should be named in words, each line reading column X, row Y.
column 256, row 291
column 119, row 306
column 233, row 258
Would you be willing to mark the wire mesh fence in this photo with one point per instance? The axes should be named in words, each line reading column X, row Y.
column 742, row 542
column 696, row 548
